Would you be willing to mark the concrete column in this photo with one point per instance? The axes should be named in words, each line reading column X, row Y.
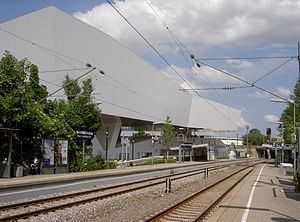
column 113, row 124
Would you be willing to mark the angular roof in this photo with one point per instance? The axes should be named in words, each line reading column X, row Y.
column 60, row 43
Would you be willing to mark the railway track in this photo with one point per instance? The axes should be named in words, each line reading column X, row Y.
column 197, row 206
column 35, row 207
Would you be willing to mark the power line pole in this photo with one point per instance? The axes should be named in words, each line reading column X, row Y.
column 295, row 106
column 299, row 58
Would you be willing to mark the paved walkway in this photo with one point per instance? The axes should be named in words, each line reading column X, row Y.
column 265, row 195
column 54, row 178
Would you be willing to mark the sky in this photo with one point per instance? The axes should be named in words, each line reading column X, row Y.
column 207, row 29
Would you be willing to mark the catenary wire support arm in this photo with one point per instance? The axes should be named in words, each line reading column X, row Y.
column 249, row 58
column 273, row 70
column 56, row 91
column 240, row 79
column 216, row 88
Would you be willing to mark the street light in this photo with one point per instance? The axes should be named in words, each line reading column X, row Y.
column 289, row 101
column 106, row 144
column 247, row 127
column 132, row 149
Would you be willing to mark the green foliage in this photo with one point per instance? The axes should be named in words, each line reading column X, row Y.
column 20, row 108
column 23, row 105
column 222, row 157
column 141, row 133
column 81, row 113
column 255, row 137
column 110, row 165
column 287, row 116
column 98, row 163
column 168, row 133
column 160, row 161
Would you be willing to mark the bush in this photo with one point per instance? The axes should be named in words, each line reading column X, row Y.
column 110, row 165
column 160, row 161
column 98, row 163
column 222, row 157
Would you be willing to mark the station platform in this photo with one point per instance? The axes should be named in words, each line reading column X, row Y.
column 265, row 195
column 15, row 182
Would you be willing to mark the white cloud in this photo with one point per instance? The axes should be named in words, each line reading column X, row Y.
column 271, row 118
column 283, row 91
column 190, row 81
column 259, row 95
column 197, row 77
column 208, row 74
column 240, row 64
column 207, row 22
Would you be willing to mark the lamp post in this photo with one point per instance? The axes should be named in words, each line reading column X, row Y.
column 106, row 144
column 247, row 127
column 294, row 134
column 132, row 149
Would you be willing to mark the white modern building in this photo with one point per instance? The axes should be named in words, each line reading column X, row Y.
column 130, row 93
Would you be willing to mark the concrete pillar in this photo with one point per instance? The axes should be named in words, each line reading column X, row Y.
column 113, row 124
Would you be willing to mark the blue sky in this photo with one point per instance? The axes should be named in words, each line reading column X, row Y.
column 208, row 29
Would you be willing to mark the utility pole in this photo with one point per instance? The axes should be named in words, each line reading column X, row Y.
column 295, row 106
column 106, row 143
column 299, row 58
column 247, row 127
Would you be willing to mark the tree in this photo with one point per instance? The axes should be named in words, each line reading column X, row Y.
column 23, row 105
column 168, row 134
column 81, row 114
column 255, row 137
column 287, row 116
column 22, row 101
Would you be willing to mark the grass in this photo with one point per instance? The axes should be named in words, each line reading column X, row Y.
column 222, row 157
column 160, row 161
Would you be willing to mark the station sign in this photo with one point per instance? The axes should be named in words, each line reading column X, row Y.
column 277, row 144
column 84, row 135
column 186, row 146
column 155, row 139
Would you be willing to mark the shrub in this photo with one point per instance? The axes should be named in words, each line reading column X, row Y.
column 222, row 157
column 160, row 161
column 98, row 163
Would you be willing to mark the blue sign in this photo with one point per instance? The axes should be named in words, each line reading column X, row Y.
column 46, row 161
column 276, row 144
column 84, row 135
column 186, row 146
column 155, row 139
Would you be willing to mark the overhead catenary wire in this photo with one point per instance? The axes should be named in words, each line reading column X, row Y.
column 63, row 70
column 55, row 53
column 164, row 59
column 273, row 70
column 132, row 110
column 56, row 91
column 240, row 79
column 217, row 88
column 249, row 58
column 140, row 34
column 45, row 49
column 188, row 61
